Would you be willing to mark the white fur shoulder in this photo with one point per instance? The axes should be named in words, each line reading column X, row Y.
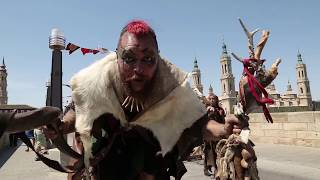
column 93, row 93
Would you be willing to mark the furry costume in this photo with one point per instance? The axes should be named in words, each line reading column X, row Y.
column 169, row 107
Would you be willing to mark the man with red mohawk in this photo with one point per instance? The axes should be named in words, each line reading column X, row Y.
column 136, row 114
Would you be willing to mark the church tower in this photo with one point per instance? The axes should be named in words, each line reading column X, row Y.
column 228, row 97
column 3, row 83
column 196, row 76
column 210, row 92
column 304, row 93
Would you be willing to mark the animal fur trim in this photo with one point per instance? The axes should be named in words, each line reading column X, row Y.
column 171, row 107
column 168, row 118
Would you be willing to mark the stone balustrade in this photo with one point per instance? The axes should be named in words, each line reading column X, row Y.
column 290, row 128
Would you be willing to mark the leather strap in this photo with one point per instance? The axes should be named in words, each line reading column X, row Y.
column 50, row 163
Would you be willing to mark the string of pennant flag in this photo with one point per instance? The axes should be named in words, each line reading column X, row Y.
column 73, row 47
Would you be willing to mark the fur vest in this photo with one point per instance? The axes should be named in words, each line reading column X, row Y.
column 171, row 106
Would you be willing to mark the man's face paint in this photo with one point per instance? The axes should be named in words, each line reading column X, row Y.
column 137, row 60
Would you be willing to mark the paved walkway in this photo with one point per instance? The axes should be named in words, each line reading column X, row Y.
column 21, row 165
column 288, row 162
column 274, row 161
column 277, row 162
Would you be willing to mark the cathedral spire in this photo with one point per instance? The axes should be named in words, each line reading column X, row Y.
column 224, row 48
column 210, row 90
column 299, row 57
column 196, row 75
column 3, row 64
column 3, row 83
column 289, row 88
column 195, row 63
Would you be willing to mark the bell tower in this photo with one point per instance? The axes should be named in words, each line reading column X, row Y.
column 196, row 76
column 304, row 93
column 228, row 97
column 3, row 83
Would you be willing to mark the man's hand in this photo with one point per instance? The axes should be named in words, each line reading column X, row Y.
column 231, row 125
column 210, row 109
column 51, row 133
column 66, row 126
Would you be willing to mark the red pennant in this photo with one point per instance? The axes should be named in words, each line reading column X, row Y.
column 85, row 51
column 71, row 48
column 94, row 51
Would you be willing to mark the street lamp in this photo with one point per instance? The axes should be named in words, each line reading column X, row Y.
column 48, row 99
column 57, row 43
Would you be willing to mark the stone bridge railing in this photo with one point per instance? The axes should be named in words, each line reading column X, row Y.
column 290, row 128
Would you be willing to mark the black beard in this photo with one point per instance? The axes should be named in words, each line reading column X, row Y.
column 141, row 94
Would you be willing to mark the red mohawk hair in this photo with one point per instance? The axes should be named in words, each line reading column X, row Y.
column 138, row 27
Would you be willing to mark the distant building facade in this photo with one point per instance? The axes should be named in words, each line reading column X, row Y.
column 285, row 102
column 290, row 98
column 19, row 108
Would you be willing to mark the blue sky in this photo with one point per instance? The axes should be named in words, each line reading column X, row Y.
column 185, row 29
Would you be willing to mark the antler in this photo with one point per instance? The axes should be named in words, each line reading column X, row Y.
column 261, row 44
column 250, row 38
column 252, row 52
column 237, row 57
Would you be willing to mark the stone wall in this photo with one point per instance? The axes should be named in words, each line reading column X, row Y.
column 291, row 128
column 285, row 109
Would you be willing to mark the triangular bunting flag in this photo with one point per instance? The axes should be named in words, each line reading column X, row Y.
column 103, row 50
column 72, row 47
